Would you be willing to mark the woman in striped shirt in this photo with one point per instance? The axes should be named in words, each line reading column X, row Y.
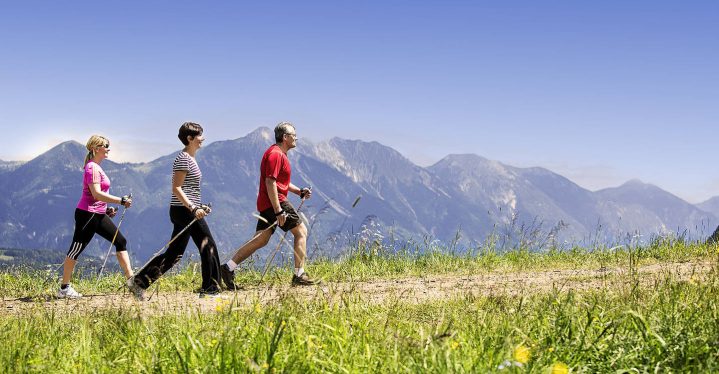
column 185, row 205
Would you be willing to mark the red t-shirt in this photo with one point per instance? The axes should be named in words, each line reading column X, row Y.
column 275, row 164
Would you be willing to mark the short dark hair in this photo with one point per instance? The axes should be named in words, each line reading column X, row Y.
column 281, row 130
column 189, row 129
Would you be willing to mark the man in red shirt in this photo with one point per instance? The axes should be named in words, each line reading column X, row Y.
column 272, row 203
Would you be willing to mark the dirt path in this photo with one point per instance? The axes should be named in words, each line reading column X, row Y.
column 412, row 290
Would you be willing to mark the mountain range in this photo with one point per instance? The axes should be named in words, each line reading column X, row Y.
column 462, row 198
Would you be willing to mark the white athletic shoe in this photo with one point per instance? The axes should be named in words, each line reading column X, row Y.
column 68, row 293
column 137, row 291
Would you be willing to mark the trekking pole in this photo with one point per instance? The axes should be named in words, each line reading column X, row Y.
column 51, row 275
column 173, row 239
column 347, row 216
column 112, row 242
column 267, row 265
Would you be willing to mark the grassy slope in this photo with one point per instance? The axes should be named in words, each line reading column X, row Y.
column 665, row 324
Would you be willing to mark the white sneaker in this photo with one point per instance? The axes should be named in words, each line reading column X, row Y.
column 68, row 293
column 137, row 291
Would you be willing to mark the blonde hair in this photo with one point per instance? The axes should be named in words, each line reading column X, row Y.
column 92, row 143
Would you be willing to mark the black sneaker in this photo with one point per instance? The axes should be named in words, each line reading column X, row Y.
column 137, row 291
column 212, row 291
column 303, row 280
column 228, row 277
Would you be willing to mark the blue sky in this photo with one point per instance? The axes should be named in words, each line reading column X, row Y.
column 600, row 92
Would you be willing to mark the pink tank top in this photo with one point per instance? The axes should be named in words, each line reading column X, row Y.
column 93, row 174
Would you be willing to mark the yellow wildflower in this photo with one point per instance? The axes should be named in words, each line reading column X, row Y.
column 454, row 345
column 221, row 304
column 522, row 354
column 559, row 368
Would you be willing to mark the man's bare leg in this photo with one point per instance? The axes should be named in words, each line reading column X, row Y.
column 300, row 278
column 258, row 241
column 300, row 234
column 227, row 270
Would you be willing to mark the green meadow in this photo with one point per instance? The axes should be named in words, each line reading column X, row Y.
column 632, row 322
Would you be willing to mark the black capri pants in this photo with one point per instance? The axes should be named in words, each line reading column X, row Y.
column 88, row 224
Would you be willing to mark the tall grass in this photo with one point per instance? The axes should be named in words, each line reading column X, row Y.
column 629, row 326
column 665, row 326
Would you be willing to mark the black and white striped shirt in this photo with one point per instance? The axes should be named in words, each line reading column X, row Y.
column 191, row 185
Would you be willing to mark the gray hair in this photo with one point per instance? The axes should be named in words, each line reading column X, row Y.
column 281, row 129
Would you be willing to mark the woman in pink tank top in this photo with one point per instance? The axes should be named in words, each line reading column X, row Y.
column 92, row 215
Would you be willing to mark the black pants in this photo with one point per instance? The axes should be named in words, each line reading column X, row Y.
column 87, row 225
column 201, row 235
